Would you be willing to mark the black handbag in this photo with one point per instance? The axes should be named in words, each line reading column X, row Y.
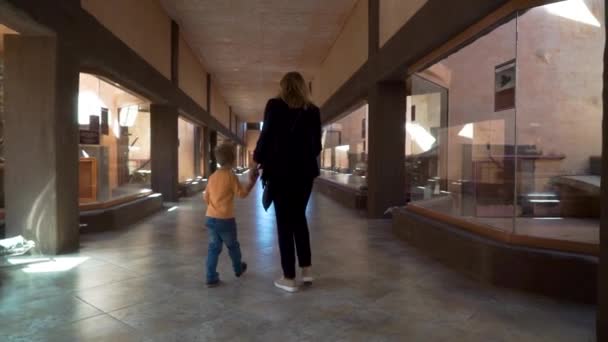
column 266, row 197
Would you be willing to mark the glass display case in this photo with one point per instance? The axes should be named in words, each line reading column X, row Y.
column 186, row 168
column 344, row 155
column 505, row 132
column 114, row 126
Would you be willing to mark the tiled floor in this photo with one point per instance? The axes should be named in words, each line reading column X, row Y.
column 145, row 283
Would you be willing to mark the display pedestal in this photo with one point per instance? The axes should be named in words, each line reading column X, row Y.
column 100, row 154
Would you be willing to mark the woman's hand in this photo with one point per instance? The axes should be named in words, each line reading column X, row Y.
column 254, row 173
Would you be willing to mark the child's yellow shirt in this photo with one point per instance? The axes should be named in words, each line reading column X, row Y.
column 222, row 187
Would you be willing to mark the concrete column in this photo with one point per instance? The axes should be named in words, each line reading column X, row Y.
column 212, row 146
column 602, row 304
column 386, row 161
column 206, row 152
column 41, row 131
column 197, row 151
column 164, row 147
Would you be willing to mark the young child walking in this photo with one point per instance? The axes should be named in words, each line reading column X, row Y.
column 222, row 188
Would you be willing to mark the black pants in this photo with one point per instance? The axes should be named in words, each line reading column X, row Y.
column 290, row 201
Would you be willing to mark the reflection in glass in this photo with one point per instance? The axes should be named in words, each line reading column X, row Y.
column 460, row 133
column 114, row 142
column 344, row 156
column 506, row 132
column 186, row 169
column 559, row 113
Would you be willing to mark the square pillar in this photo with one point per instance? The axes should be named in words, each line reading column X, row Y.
column 41, row 138
column 206, row 148
column 386, row 157
column 164, row 151
column 197, row 151
column 212, row 146
column 602, row 301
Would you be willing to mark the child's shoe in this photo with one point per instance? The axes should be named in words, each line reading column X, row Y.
column 307, row 277
column 285, row 284
column 243, row 269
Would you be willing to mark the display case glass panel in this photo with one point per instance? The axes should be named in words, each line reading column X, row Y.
column 186, row 132
column 114, row 128
column 344, row 155
column 560, row 53
column 505, row 132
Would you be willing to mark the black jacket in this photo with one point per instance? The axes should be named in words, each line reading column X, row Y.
column 290, row 142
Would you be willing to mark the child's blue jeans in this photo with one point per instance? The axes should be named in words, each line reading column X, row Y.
column 222, row 231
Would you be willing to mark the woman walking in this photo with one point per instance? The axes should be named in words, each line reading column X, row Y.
column 287, row 152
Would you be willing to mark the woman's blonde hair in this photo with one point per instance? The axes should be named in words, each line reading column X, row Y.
column 294, row 90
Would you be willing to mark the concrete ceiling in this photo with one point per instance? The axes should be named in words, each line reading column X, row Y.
column 247, row 45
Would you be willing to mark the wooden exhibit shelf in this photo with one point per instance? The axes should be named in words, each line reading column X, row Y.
column 510, row 238
column 87, row 180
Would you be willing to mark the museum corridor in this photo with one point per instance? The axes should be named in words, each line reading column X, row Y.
column 146, row 283
column 457, row 150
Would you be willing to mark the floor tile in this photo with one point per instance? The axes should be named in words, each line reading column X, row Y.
column 146, row 283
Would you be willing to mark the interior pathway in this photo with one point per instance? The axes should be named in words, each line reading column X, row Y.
column 146, row 283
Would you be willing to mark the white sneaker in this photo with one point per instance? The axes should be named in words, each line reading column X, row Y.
column 288, row 285
column 307, row 277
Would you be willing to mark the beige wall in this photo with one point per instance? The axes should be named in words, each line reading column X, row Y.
column 192, row 75
column 145, row 27
column 141, row 24
column 219, row 107
column 185, row 158
column 394, row 14
column 347, row 55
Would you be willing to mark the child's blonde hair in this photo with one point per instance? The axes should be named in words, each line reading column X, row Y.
column 225, row 154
